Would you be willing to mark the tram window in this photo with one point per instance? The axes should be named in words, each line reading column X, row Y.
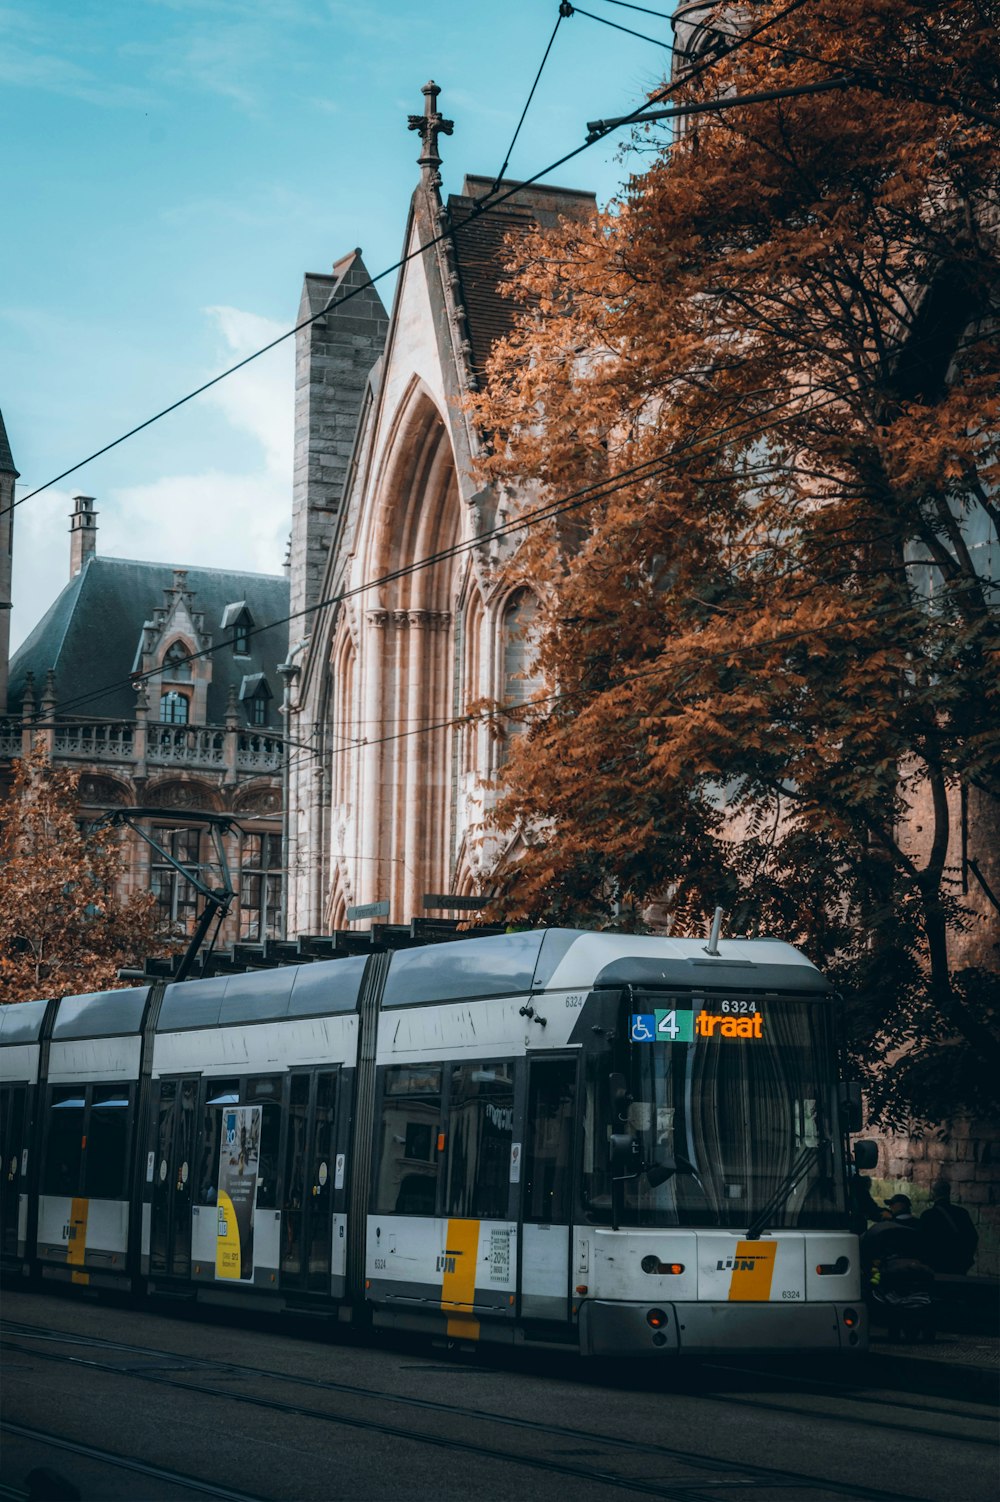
column 107, row 1143
column 267, row 1094
column 64, row 1149
column 549, row 1157
column 218, row 1093
column 479, row 1133
column 408, row 1144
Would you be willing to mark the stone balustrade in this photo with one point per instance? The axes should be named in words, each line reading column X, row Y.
column 193, row 747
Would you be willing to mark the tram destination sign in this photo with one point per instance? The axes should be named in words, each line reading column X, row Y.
column 450, row 900
column 368, row 910
column 739, row 1019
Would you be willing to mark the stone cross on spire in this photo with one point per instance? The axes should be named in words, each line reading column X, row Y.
column 430, row 124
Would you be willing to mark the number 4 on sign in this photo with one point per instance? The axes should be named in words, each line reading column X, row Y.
column 674, row 1026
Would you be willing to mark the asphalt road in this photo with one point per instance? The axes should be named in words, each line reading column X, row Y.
column 119, row 1403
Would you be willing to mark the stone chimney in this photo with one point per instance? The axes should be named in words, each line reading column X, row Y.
column 82, row 533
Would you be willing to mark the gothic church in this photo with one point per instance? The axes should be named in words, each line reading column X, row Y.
column 385, row 790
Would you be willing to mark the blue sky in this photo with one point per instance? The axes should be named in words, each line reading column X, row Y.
column 171, row 169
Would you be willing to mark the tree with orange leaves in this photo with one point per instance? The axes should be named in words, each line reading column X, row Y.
column 771, row 637
column 63, row 927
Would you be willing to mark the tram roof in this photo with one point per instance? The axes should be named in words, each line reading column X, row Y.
column 533, row 960
column 566, row 959
column 21, row 1022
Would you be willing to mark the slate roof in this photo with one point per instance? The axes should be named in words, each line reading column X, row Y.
column 6, row 457
column 481, row 253
column 90, row 634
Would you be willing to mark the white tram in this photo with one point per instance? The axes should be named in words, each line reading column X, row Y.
column 621, row 1145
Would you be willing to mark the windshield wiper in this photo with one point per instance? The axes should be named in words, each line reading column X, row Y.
column 784, row 1189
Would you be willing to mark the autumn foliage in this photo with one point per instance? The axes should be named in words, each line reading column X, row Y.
column 771, row 641
column 64, row 929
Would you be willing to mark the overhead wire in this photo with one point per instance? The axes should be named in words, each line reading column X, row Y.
column 564, row 9
column 600, row 490
column 483, row 206
column 512, row 711
column 547, row 511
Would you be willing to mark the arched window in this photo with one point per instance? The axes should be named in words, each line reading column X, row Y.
column 175, row 663
column 174, row 709
column 520, row 648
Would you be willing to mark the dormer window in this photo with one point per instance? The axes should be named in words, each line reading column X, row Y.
column 237, row 620
column 176, row 663
column 255, row 696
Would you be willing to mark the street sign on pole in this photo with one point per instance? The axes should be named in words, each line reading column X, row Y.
column 449, row 900
column 368, row 910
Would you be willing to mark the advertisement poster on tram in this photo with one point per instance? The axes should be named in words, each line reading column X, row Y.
column 239, row 1158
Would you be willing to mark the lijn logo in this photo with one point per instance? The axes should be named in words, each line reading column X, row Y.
column 739, row 1264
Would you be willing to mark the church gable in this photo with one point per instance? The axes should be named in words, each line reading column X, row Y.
column 391, row 668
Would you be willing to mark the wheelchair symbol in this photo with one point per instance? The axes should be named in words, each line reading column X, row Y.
column 643, row 1028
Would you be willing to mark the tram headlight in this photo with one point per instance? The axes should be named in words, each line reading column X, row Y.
column 656, row 1318
column 850, row 1318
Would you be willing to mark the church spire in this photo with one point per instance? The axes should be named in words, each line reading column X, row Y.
column 430, row 125
column 6, row 457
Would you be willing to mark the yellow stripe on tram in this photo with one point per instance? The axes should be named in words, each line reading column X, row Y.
column 458, row 1284
column 753, row 1270
column 76, row 1253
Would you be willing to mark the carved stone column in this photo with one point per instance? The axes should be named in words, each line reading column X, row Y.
column 48, row 708
column 141, row 737
column 232, row 746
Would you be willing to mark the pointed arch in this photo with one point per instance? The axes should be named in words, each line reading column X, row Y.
column 344, row 716
column 473, row 687
column 408, row 690
column 175, row 663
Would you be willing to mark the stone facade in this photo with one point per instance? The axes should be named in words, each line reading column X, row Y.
column 386, row 803
column 160, row 687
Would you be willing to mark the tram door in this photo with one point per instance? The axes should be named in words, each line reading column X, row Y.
column 307, row 1211
column 12, row 1124
column 174, row 1144
column 547, row 1186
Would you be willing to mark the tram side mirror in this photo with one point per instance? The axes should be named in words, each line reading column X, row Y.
column 624, row 1155
column 851, row 1108
column 659, row 1173
column 620, row 1098
column 865, row 1154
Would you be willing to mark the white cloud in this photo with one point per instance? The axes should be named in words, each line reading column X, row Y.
column 41, row 559
column 214, row 518
column 259, row 399
column 218, row 518
column 211, row 520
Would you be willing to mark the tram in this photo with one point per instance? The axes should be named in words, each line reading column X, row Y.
column 609, row 1143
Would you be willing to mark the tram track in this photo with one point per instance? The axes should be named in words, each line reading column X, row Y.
column 119, row 1462
column 409, row 1400
column 711, row 1472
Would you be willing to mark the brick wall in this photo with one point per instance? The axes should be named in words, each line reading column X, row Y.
column 968, row 1157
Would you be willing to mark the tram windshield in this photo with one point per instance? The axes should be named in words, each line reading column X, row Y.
column 728, row 1110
